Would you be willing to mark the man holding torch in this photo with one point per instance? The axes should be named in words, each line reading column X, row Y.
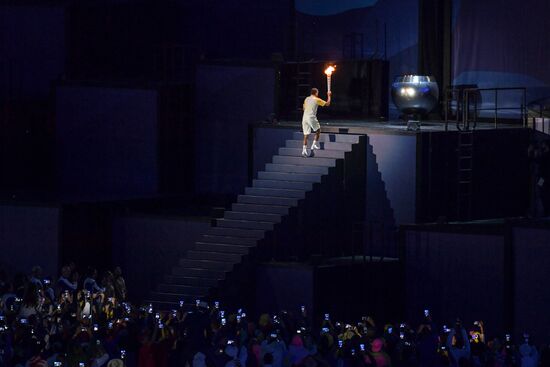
column 309, row 119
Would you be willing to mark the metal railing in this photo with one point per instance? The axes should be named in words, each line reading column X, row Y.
column 468, row 97
column 541, row 124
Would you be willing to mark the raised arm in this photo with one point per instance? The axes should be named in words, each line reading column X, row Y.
column 466, row 340
column 450, row 339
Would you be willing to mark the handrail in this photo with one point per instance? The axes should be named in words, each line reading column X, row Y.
column 463, row 100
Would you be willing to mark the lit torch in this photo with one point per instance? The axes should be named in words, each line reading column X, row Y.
column 329, row 72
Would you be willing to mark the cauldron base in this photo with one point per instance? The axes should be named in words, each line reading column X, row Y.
column 414, row 125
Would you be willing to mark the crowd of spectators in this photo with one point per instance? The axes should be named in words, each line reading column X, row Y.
column 87, row 322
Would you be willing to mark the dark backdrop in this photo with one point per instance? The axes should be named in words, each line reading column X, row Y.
column 502, row 43
column 434, row 40
column 228, row 99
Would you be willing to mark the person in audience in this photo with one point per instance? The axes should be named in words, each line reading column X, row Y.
column 31, row 302
column 276, row 347
column 529, row 356
column 115, row 363
column 196, row 325
column 108, row 285
column 381, row 358
column 199, row 360
column 120, row 284
column 297, row 353
column 458, row 345
column 8, row 297
column 99, row 356
column 146, row 356
column 427, row 344
column 477, row 344
column 64, row 284
column 238, row 355
column 90, row 283
column 36, row 276
column 75, row 276
column 3, row 279
column 36, row 359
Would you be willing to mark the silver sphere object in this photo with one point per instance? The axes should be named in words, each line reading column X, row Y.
column 415, row 95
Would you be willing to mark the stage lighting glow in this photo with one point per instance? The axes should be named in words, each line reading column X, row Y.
column 408, row 92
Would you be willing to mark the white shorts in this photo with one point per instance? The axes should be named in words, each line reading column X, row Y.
column 310, row 125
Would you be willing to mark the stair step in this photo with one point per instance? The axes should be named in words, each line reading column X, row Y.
column 347, row 147
column 193, row 281
column 297, row 152
column 283, row 193
column 262, row 217
column 246, row 224
column 263, row 200
column 300, row 177
column 198, row 254
column 310, row 161
column 223, row 247
column 294, row 168
column 206, row 264
column 278, row 184
column 182, row 289
column 161, row 297
column 179, row 271
column 229, row 240
column 236, row 232
column 338, row 138
column 253, row 208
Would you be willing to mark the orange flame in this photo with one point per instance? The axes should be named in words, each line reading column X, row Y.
column 330, row 70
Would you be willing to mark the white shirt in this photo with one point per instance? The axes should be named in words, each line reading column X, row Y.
column 311, row 104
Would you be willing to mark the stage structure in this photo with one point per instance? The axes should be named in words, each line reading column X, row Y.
column 348, row 200
column 360, row 88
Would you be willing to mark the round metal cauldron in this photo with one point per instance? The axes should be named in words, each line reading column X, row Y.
column 415, row 95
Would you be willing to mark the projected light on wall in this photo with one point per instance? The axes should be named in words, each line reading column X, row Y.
column 331, row 7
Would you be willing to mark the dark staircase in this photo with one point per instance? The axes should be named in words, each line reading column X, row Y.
column 284, row 214
column 380, row 227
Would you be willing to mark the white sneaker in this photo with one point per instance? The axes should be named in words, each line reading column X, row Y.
column 305, row 154
column 315, row 146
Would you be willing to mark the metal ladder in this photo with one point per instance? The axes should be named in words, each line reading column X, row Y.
column 303, row 83
column 465, row 169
